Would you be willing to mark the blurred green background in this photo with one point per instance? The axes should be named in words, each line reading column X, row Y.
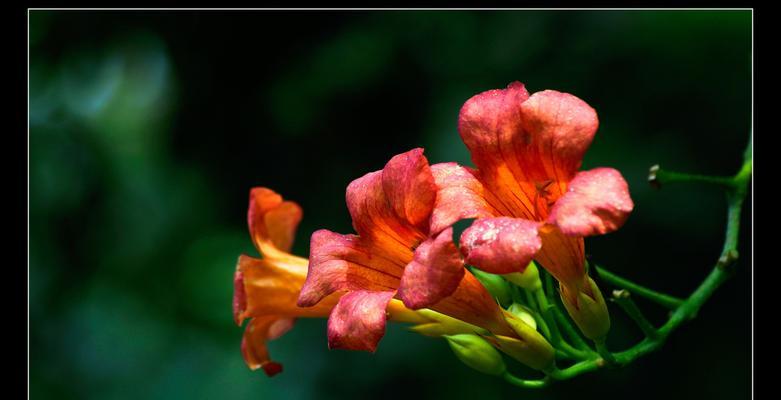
column 148, row 128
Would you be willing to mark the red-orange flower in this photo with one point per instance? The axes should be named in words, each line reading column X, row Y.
column 266, row 289
column 394, row 254
column 528, row 198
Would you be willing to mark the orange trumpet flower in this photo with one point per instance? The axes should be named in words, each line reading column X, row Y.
column 266, row 289
column 394, row 254
column 528, row 198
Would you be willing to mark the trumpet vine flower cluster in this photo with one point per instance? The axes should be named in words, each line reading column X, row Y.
column 529, row 205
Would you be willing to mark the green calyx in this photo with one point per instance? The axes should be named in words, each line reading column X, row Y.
column 529, row 279
column 588, row 311
column 496, row 285
column 477, row 353
column 524, row 313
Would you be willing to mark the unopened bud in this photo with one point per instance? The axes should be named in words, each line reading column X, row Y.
column 589, row 311
column 496, row 285
column 530, row 347
column 529, row 279
column 477, row 353
column 438, row 324
column 524, row 313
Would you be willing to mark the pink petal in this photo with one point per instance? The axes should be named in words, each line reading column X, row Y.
column 433, row 274
column 490, row 125
column 460, row 196
column 346, row 262
column 239, row 297
column 489, row 122
column 409, row 187
column 596, row 202
column 501, row 245
column 376, row 221
column 526, row 148
column 358, row 320
column 561, row 128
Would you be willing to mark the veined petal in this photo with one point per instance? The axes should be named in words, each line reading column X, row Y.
column 271, row 287
column 561, row 127
column 527, row 148
column 501, row 245
column 253, row 343
column 563, row 256
column 346, row 262
column 376, row 221
column 472, row 303
column 272, row 221
column 409, row 187
column 460, row 196
column 358, row 321
column 433, row 274
column 490, row 125
column 596, row 202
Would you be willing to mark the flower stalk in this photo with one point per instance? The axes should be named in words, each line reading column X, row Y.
column 665, row 300
column 623, row 298
column 736, row 189
column 485, row 297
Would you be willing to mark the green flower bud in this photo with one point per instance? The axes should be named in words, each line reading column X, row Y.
column 496, row 285
column 588, row 310
column 439, row 324
column 530, row 347
column 524, row 313
column 529, row 279
column 477, row 353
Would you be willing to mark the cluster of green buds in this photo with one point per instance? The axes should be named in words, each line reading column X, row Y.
column 532, row 311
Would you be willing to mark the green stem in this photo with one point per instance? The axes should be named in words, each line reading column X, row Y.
column 658, row 176
column 687, row 310
column 624, row 300
column 525, row 383
column 603, row 351
column 662, row 299
column 570, row 330
column 538, row 317
column 576, row 369
column 556, row 340
column 683, row 310
column 559, row 316
column 515, row 293
column 544, row 307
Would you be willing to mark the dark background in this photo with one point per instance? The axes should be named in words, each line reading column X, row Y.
column 147, row 130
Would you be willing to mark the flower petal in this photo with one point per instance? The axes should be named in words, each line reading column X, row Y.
column 596, row 202
column 358, row 321
column 490, row 125
column 345, row 262
column 527, row 148
column 239, row 297
column 253, row 343
column 376, row 221
column 271, row 287
column 500, row 245
column 433, row 274
column 472, row 303
column 272, row 221
column 561, row 128
column 460, row 196
column 563, row 256
column 409, row 187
